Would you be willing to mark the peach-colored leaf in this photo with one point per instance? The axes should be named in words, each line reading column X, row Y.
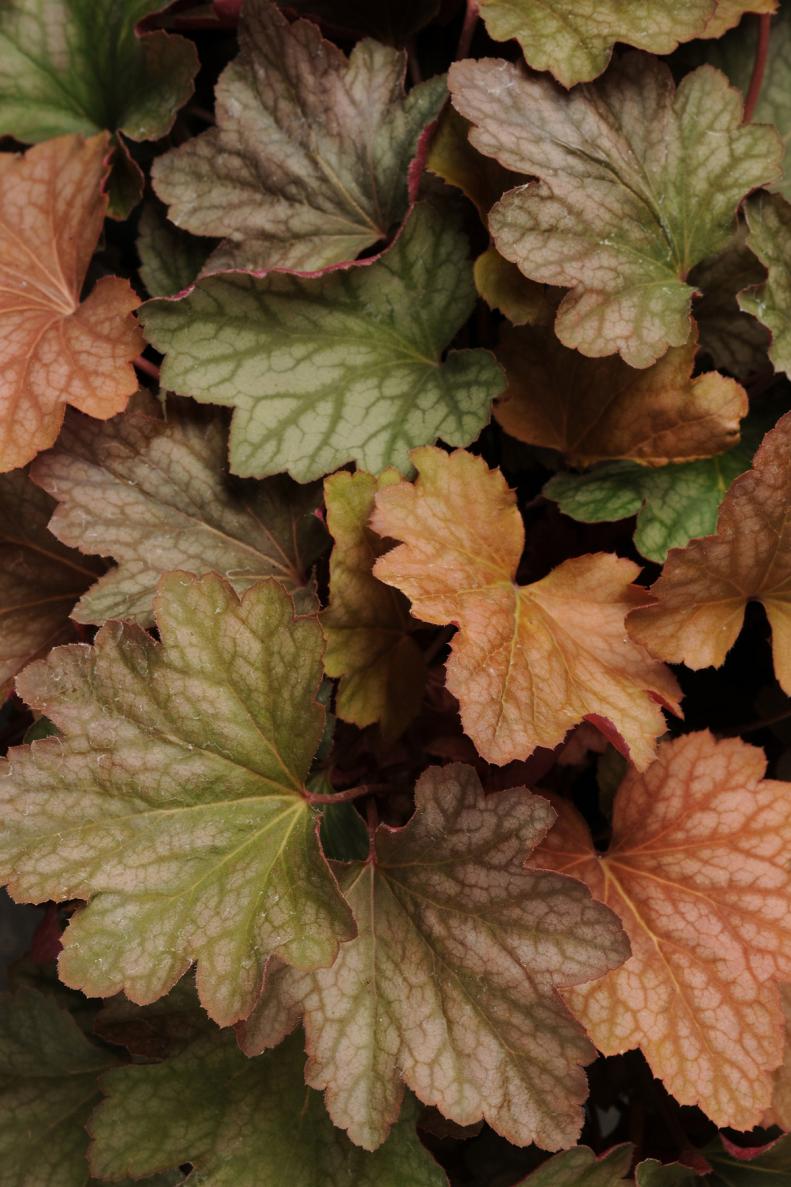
column 54, row 348
column 529, row 662
column 601, row 409
column 697, row 869
column 701, row 596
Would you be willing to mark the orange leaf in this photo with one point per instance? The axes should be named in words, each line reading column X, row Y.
column 602, row 409
column 55, row 350
column 701, row 596
column 697, row 870
column 530, row 661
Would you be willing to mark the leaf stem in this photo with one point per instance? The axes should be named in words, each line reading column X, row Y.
column 148, row 368
column 336, row 797
column 467, row 29
column 759, row 66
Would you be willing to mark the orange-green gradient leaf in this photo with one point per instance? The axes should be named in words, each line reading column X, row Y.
column 54, row 348
column 594, row 410
column 367, row 624
column 528, row 662
column 173, row 799
column 697, row 869
column 700, row 598
column 637, row 182
column 450, row 986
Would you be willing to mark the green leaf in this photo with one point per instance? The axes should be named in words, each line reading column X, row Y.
column 242, row 1123
column 154, row 495
column 80, row 66
column 574, row 38
column 391, row 21
column 672, row 504
column 48, row 1074
column 336, row 368
column 637, row 183
column 580, row 1167
column 170, row 259
column 174, row 799
column 450, row 986
column 654, row 1174
column 767, row 1167
column 308, row 163
column 769, row 220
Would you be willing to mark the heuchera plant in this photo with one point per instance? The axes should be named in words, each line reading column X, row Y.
column 395, row 593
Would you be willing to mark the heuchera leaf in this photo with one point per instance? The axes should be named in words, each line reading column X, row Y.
column 574, row 38
column 56, row 350
column 581, row 1168
column 600, row 409
column 80, row 66
column 367, row 624
column 48, row 1086
column 170, row 259
column 174, row 799
column 242, row 1123
column 529, row 662
column 700, row 598
column 735, row 1167
column 697, row 870
column 504, row 287
column 732, row 338
column 769, row 220
column 451, row 982
column 781, row 1095
column 153, row 494
column 336, row 368
column 637, row 183
column 673, row 503
column 40, row 579
column 308, row 163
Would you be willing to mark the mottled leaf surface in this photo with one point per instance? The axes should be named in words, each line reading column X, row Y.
column 307, row 165
column 450, row 985
column 701, row 596
column 529, row 662
column 80, row 66
column 637, row 183
column 367, row 624
column 40, row 579
column 173, row 799
column 241, row 1123
column 342, row 367
column 769, row 220
column 573, row 39
column 697, row 870
column 54, row 348
column 154, row 494
column 601, row 409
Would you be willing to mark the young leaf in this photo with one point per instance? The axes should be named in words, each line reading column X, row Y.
column 80, row 66
column 308, row 163
column 153, row 494
column 48, row 1074
column 368, row 627
column 529, row 662
column 170, row 259
column 242, row 1123
column 637, row 183
column 700, row 598
column 451, row 983
column 40, row 579
column 673, row 504
column 697, row 870
column 600, row 409
column 581, row 1168
column 769, row 220
column 336, row 368
column 55, row 349
column 574, row 39
column 174, row 799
